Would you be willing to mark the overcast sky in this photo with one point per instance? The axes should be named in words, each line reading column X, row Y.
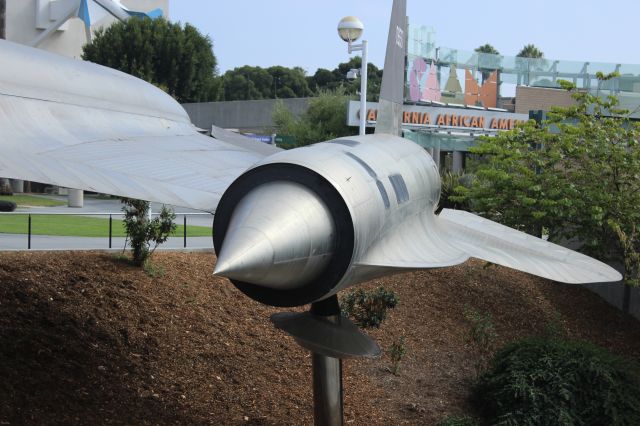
column 303, row 33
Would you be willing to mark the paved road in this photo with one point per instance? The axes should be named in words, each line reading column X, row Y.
column 97, row 205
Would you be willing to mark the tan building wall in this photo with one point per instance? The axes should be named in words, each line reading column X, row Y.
column 535, row 98
column 22, row 23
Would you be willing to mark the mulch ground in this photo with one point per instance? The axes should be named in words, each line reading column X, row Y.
column 85, row 338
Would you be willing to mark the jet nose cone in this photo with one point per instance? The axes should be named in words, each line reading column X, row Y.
column 281, row 236
column 246, row 254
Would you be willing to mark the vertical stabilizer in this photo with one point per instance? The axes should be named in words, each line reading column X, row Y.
column 389, row 118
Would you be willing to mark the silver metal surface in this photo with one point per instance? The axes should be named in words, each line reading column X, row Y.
column 327, row 390
column 281, row 236
column 391, row 188
column 335, row 336
column 84, row 126
column 392, row 88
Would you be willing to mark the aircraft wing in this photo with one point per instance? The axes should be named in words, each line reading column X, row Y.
column 496, row 243
column 80, row 125
column 453, row 236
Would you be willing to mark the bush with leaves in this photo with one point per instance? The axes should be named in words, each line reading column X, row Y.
column 7, row 206
column 458, row 421
column 142, row 230
column 449, row 181
column 324, row 119
column 397, row 351
column 368, row 308
column 482, row 334
column 542, row 381
column 576, row 176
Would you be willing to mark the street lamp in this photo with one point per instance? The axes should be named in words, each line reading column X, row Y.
column 350, row 29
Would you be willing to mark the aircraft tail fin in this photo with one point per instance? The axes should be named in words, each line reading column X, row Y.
column 389, row 118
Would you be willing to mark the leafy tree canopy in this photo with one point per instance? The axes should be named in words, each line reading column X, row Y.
column 177, row 59
column 575, row 176
column 247, row 82
column 323, row 120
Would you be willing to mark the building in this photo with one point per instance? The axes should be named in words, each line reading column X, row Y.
column 453, row 96
column 28, row 19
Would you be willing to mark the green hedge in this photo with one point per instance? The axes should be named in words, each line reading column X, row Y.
column 543, row 381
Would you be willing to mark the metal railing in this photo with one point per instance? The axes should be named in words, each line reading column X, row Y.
column 109, row 215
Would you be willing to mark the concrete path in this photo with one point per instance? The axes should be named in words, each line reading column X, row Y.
column 94, row 205
column 48, row 242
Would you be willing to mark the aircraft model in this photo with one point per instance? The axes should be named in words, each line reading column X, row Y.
column 324, row 217
column 291, row 227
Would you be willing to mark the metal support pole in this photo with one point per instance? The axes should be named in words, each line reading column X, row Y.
column 363, row 89
column 362, row 47
column 330, row 337
column 29, row 235
column 185, row 231
column 327, row 390
column 110, row 229
column 327, row 372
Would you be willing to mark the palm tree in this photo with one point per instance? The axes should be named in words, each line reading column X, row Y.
column 534, row 61
column 530, row 51
column 487, row 48
column 488, row 60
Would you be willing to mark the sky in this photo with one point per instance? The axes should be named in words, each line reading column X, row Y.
column 304, row 33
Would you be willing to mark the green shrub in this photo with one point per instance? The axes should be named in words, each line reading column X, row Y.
column 153, row 270
column 142, row 230
column 397, row 351
column 543, row 381
column 482, row 335
column 368, row 308
column 7, row 206
column 458, row 421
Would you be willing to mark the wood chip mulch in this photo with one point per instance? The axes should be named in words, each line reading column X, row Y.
column 87, row 339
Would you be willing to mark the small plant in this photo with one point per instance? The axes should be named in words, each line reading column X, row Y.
column 483, row 335
column 554, row 328
column 458, row 421
column 142, row 231
column 368, row 308
column 153, row 270
column 450, row 183
column 542, row 381
column 397, row 351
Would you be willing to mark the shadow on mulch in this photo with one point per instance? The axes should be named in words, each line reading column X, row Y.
column 50, row 360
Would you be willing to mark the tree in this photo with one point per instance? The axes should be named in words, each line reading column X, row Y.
column 487, row 48
column 530, row 51
column 247, row 82
column 575, row 176
column 142, row 230
column 324, row 119
column 177, row 59
column 488, row 60
column 528, row 60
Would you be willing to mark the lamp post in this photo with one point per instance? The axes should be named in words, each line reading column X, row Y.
column 350, row 29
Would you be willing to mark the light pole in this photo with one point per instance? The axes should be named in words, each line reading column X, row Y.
column 350, row 29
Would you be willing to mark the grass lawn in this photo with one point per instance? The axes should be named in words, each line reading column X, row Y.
column 32, row 201
column 78, row 226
